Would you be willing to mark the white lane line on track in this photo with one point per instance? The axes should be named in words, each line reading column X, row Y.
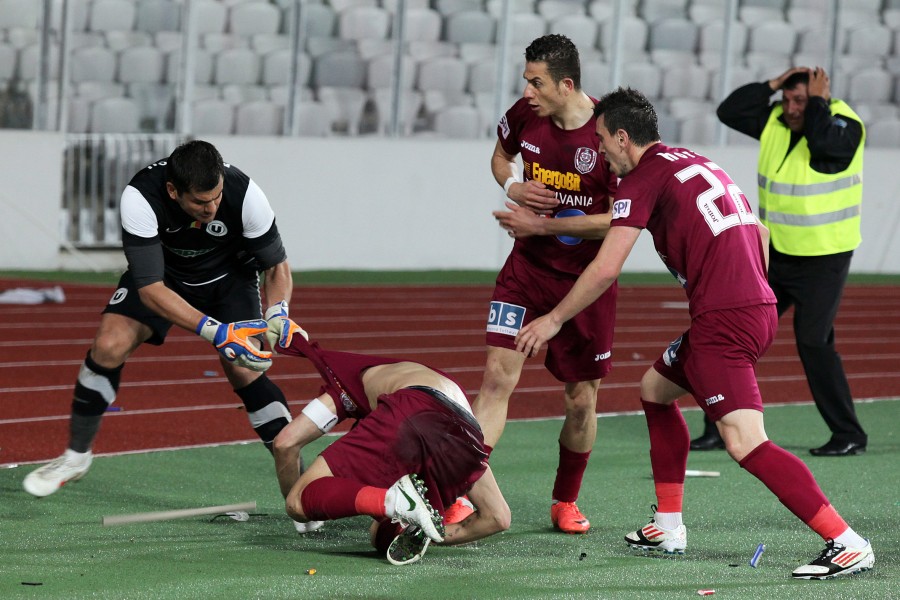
column 526, row 420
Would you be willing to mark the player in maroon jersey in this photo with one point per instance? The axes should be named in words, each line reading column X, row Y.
column 552, row 128
column 415, row 448
column 707, row 236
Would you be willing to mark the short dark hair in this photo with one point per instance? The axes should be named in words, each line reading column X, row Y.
column 560, row 54
column 795, row 80
column 628, row 109
column 195, row 166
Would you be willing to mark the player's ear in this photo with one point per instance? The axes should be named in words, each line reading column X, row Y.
column 170, row 189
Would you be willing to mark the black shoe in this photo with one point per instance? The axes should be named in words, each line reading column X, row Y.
column 834, row 448
column 708, row 441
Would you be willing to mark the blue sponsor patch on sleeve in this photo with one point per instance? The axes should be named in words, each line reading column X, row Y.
column 506, row 319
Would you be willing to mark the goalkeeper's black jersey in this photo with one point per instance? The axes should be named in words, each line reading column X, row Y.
column 242, row 238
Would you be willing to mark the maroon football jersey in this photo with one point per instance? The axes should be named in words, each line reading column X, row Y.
column 568, row 163
column 702, row 227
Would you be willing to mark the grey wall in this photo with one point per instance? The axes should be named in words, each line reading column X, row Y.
column 373, row 203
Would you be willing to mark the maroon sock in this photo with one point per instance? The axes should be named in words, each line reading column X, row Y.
column 670, row 441
column 569, row 474
column 788, row 478
column 335, row 498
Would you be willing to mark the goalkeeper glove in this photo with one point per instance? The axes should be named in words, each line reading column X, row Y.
column 232, row 341
column 281, row 332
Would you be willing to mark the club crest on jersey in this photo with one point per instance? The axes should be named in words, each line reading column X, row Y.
column 118, row 295
column 216, row 228
column 504, row 127
column 349, row 405
column 585, row 159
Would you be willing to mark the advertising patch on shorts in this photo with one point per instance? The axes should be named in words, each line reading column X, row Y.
column 505, row 318
column 118, row 295
column 621, row 208
column 670, row 356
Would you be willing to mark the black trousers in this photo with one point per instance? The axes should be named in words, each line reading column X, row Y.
column 813, row 285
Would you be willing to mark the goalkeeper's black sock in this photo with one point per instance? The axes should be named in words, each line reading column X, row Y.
column 95, row 390
column 266, row 407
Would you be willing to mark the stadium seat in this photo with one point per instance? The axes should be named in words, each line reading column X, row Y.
column 595, row 78
column 122, row 40
column 95, row 90
column 469, row 26
column 371, row 47
column 259, row 117
column 311, row 119
column 79, row 115
column 738, row 76
column 410, row 105
column 250, row 18
column 92, row 64
column 803, row 18
column 339, row 69
column 420, row 51
column 28, row 62
column 320, row 20
column 873, row 85
column 581, row 29
column 554, row 9
column 167, row 41
column 141, row 64
column 364, row 22
column 449, row 7
column 263, row 43
column 657, row 10
column 682, row 108
column 891, row 18
column 216, row 41
column 482, row 77
column 869, row 40
column 340, row 6
column 8, row 56
column 495, row 7
column 345, row 107
column 423, row 25
column 236, row 65
column 380, row 72
column 158, row 15
column 700, row 130
column 19, row 13
column 869, row 113
column 767, row 65
column 203, row 66
column 703, row 13
column 443, row 74
column 211, row 16
column 19, row 37
column 212, row 116
column 391, row 5
column 525, row 28
column 645, row 77
column 237, row 93
column 155, row 103
column 459, row 122
column 115, row 115
column 634, row 35
column 777, row 37
column 884, row 134
column 111, row 15
column 279, row 94
column 674, row 34
column 474, row 52
column 757, row 15
column 276, row 67
column 685, row 81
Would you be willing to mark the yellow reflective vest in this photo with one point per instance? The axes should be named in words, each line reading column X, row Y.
column 808, row 213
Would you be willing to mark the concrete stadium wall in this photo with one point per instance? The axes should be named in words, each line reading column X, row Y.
column 374, row 203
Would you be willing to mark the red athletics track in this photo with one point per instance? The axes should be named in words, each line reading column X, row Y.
column 168, row 400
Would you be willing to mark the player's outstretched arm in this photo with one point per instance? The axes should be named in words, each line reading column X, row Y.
column 492, row 514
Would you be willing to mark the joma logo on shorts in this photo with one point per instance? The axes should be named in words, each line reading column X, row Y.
column 713, row 399
column 604, row 356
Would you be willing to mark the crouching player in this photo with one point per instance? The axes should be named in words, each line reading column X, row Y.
column 415, row 449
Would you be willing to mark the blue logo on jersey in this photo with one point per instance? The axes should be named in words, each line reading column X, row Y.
column 505, row 318
column 569, row 240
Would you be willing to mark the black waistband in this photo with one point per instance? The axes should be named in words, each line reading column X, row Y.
column 443, row 399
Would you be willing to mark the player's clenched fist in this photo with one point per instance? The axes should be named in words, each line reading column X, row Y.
column 232, row 340
column 281, row 331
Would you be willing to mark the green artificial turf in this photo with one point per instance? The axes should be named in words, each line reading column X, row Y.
column 59, row 542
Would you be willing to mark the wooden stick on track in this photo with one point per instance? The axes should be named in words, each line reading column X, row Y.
column 167, row 515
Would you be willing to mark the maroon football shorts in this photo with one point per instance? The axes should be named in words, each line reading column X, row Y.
column 715, row 360
column 412, row 432
column 582, row 349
